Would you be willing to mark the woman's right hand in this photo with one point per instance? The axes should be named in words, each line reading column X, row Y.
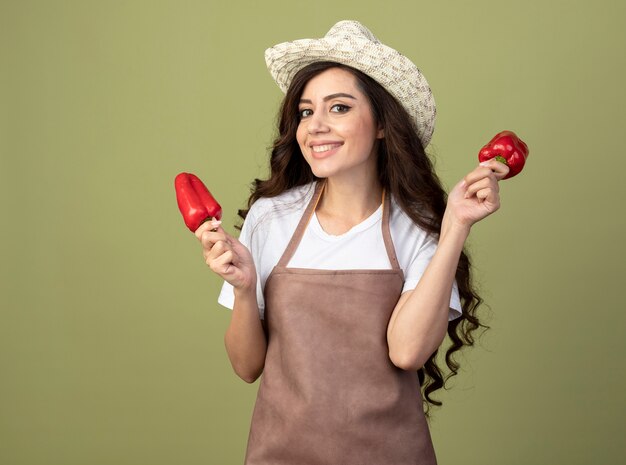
column 226, row 256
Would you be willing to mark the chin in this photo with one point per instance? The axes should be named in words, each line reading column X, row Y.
column 319, row 170
column 322, row 173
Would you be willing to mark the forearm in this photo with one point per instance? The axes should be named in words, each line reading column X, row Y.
column 245, row 340
column 420, row 320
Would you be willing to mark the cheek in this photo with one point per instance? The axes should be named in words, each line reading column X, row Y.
column 362, row 133
column 362, row 127
column 300, row 135
column 300, row 132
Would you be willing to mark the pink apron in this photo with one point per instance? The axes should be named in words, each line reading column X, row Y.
column 329, row 394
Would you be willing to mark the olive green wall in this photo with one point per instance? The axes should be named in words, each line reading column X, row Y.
column 111, row 341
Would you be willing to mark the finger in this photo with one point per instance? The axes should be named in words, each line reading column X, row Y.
column 215, row 225
column 211, row 225
column 485, row 183
column 500, row 169
column 217, row 249
column 223, row 265
column 489, row 197
column 478, row 173
column 210, row 238
column 206, row 226
column 482, row 194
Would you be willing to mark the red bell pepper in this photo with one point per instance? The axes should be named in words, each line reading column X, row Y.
column 195, row 202
column 507, row 148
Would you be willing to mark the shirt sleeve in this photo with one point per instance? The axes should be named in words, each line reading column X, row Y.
column 250, row 239
column 416, row 268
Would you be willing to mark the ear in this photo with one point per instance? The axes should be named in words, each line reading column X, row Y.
column 381, row 133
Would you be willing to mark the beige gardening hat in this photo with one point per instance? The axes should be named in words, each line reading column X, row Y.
column 352, row 44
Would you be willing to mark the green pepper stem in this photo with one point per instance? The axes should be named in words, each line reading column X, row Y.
column 501, row 159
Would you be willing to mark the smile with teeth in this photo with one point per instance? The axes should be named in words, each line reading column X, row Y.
column 324, row 148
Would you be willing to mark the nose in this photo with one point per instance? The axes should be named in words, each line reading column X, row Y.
column 317, row 123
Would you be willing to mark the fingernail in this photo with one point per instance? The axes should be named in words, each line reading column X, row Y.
column 215, row 223
column 484, row 163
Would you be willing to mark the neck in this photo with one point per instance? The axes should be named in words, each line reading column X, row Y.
column 347, row 203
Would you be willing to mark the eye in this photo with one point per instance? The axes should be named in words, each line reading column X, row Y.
column 305, row 112
column 339, row 108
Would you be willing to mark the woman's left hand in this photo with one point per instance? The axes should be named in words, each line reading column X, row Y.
column 477, row 195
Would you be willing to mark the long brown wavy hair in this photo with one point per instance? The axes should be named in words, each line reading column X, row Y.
column 405, row 171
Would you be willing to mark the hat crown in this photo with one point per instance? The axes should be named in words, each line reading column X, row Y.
column 351, row 30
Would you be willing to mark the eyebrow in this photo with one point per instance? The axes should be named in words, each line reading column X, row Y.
column 330, row 97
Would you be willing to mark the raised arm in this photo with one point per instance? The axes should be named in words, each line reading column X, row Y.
column 419, row 321
column 245, row 339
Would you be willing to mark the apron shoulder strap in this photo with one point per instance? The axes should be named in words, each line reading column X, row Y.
column 304, row 221
column 391, row 250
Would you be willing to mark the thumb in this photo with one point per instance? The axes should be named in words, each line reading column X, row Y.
column 241, row 250
column 215, row 226
column 500, row 169
column 237, row 246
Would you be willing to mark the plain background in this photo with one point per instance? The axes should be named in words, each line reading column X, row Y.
column 111, row 340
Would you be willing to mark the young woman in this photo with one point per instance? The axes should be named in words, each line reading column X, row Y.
column 350, row 266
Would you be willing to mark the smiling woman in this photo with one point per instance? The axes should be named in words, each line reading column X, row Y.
column 350, row 267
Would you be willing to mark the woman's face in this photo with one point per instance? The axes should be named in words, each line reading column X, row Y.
column 337, row 133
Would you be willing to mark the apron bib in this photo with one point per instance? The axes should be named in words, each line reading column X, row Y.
column 329, row 394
